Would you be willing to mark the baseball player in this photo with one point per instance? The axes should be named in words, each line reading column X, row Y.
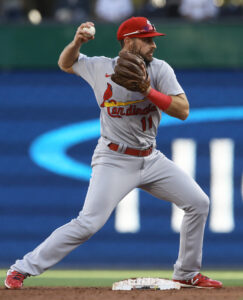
column 132, row 91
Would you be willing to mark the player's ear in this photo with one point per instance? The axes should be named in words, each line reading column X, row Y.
column 127, row 43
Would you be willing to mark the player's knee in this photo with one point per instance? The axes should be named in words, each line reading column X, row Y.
column 92, row 229
column 88, row 226
column 202, row 205
column 198, row 205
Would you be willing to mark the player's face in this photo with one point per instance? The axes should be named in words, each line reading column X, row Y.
column 146, row 47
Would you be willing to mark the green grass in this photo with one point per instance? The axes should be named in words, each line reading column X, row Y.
column 105, row 278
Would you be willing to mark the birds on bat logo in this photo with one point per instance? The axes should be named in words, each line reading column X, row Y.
column 118, row 109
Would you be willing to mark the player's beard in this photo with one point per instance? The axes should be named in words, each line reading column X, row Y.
column 147, row 61
column 135, row 49
column 148, row 57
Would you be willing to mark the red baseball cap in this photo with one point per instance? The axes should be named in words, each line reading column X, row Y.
column 137, row 27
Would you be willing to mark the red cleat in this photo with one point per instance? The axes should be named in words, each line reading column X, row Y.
column 200, row 281
column 14, row 280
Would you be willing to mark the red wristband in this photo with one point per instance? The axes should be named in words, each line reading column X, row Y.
column 159, row 99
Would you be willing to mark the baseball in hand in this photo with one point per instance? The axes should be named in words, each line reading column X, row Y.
column 89, row 30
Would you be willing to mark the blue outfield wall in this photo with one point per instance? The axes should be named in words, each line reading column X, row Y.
column 34, row 200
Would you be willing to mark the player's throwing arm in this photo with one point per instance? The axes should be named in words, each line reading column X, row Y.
column 69, row 55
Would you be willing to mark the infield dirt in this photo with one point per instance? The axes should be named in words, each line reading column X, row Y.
column 70, row 293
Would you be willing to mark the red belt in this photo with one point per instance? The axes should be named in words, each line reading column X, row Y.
column 132, row 151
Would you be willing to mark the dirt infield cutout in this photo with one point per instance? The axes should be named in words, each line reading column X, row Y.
column 76, row 293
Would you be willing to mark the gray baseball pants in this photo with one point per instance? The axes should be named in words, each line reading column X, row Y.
column 114, row 175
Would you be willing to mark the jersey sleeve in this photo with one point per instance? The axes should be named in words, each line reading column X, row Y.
column 167, row 82
column 86, row 67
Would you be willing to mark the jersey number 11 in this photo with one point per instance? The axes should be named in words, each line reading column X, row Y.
column 144, row 122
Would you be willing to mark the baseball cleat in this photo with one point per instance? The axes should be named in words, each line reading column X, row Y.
column 200, row 281
column 14, row 280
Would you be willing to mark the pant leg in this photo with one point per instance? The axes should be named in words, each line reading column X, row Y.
column 108, row 185
column 171, row 183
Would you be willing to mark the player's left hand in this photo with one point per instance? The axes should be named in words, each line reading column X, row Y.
column 131, row 73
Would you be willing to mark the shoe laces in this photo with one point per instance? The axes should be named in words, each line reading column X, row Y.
column 18, row 276
column 200, row 276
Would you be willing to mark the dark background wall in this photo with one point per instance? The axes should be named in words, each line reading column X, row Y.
column 186, row 45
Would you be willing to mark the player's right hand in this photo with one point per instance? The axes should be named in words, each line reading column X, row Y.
column 82, row 37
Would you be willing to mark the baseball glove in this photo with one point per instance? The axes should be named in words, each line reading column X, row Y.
column 131, row 73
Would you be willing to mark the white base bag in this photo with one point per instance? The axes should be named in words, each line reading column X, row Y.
column 145, row 283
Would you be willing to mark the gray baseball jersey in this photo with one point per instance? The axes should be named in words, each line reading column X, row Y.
column 127, row 117
column 130, row 120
